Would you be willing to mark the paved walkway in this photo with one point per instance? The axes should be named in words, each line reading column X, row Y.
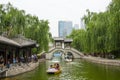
column 102, row 60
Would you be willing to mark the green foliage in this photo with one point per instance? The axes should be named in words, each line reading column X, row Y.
column 34, row 50
column 102, row 33
column 14, row 22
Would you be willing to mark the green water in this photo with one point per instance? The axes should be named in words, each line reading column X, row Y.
column 76, row 70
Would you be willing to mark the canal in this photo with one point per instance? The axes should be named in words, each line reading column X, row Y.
column 76, row 70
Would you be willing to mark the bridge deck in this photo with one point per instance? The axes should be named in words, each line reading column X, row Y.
column 75, row 52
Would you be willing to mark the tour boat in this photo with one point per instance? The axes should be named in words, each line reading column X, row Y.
column 53, row 71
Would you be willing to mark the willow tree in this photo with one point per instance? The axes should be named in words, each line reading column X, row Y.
column 102, row 33
column 14, row 21
column 2, row 15
column 114, row 27
column 37, row 30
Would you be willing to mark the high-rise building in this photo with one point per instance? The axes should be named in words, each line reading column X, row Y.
column 76, row 26
column 64, row 28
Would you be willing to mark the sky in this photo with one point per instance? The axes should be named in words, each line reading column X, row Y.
column 57, row 10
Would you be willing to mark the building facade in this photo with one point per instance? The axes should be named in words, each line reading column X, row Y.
column 64, row 28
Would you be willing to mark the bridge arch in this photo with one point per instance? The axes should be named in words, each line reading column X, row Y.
column 76, row 54
column 61, row 52
column 63, row 45
column 69, row 55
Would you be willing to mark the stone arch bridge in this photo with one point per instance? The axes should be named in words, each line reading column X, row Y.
column 76, row 54
column 63, row 46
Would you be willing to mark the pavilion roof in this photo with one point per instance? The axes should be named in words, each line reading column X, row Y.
column 24, row 41
column 5, row 40
column 63, row 39
column 58, row 38
column 17, row 41
column 68, row 40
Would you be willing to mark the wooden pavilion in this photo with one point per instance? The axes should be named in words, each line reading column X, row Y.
column 15, row 47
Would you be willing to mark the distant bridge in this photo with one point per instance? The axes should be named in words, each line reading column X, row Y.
column 62, row 46
column 76, row 54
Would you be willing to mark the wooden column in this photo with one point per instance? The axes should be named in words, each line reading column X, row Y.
column 27, row 54
column 30, row 52
column 18, row 54
column 11, row 55
column 23, row 54
column 5, row 55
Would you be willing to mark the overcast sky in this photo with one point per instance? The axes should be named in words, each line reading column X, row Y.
column 56, row 10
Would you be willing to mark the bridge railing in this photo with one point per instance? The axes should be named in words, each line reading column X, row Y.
column 52, row 49
column 76, row 51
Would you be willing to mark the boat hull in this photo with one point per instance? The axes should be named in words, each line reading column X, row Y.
column 53, row 72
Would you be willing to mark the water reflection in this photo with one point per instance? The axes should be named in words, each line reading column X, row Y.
column 76, row 70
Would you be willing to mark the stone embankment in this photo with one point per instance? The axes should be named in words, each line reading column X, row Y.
column 102, row 60
column 15, row 70
column 22, row 68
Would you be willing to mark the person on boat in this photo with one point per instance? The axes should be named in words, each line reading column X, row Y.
column 54, row 66
column 51, row 66
column 57, row 66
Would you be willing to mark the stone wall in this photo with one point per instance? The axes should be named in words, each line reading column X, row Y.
column 102, row 60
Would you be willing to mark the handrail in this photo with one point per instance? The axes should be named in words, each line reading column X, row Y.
column 72, row 49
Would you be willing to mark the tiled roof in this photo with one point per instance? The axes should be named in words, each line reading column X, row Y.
column 18, row 41
column 5, row 40
column 63, row 39
column 24, row 41
column 68, row 40
column 58, row 38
